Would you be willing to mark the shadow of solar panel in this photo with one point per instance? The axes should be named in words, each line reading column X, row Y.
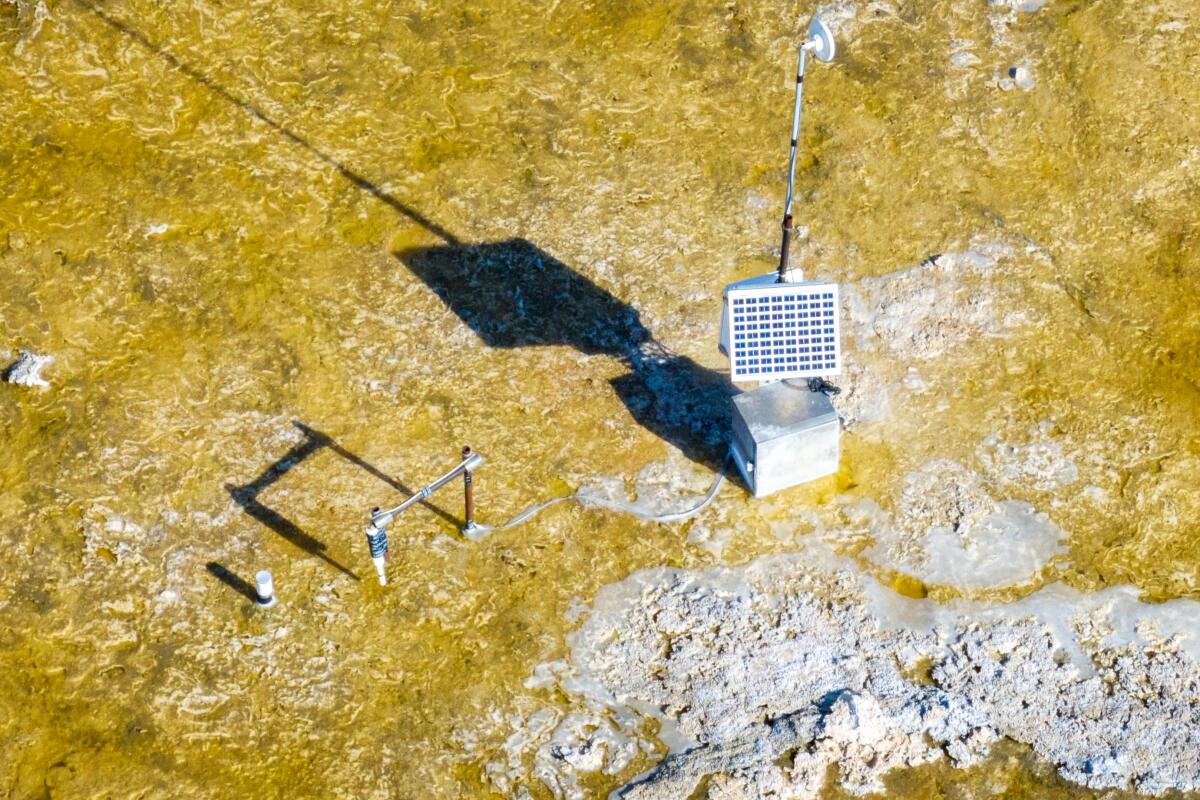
column 512, row 293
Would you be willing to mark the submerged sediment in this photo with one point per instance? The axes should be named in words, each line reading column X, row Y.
column 214, row 220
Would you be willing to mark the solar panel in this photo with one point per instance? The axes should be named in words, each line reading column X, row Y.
column 772, row 331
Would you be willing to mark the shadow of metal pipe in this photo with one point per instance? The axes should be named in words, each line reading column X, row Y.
column 239, row 585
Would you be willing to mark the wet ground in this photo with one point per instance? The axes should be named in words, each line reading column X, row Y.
column 410, row 227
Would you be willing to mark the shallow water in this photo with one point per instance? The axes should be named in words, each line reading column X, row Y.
column 217, row 221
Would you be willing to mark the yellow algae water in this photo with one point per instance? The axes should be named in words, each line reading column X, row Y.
column 223, row 220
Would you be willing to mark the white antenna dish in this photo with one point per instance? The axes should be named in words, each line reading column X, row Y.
column 820, row 40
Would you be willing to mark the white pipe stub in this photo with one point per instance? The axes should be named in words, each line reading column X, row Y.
column 264, row 588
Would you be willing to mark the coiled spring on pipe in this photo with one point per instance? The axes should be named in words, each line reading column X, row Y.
column 378, row 542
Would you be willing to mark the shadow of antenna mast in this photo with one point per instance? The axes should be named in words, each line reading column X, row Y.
column 356, row 178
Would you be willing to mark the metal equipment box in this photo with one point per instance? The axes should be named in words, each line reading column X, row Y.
column 784, row 434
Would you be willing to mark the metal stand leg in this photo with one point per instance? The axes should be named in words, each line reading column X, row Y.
column 468, row 497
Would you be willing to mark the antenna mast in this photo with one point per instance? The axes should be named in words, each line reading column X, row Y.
column 820, row 41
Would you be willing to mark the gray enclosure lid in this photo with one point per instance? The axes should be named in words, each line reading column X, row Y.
column 781, row 409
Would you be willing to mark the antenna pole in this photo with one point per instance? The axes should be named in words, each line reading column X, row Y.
column 787, row 206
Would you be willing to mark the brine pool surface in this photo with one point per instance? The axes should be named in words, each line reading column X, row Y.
column 245, row 233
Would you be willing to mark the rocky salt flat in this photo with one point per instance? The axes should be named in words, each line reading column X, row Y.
column 27, row 370
column 765, row 675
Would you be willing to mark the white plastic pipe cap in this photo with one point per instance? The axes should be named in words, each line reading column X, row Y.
column 379, row 562
column 264, row 587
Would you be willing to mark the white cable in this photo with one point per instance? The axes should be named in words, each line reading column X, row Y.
column 613, row 505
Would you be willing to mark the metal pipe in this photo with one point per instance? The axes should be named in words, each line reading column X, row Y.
column 468, row 495
column 784, row 248
column 383, row 518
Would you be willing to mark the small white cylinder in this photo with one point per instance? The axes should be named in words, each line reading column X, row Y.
column 264, row 587
column 379, row 562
